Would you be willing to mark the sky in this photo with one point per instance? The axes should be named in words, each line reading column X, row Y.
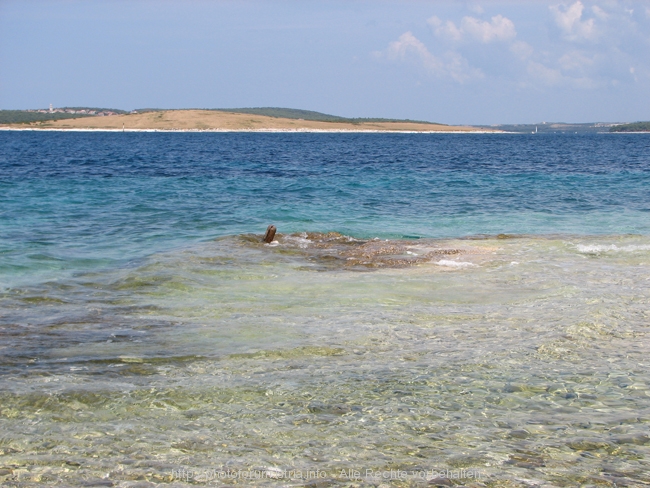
column 454, row 62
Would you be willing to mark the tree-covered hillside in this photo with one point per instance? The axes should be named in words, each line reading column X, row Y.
column 634, row 127
column 293, row 113
column 28, row 116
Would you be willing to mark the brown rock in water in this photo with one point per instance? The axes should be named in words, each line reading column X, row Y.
column 270, row 234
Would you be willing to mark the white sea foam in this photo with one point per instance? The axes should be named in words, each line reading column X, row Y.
column 301, row 242
column 455, row 264
column 601, row 248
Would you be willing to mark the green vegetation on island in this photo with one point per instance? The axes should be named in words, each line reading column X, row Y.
column 285, row 113
column 96, row 109
column 42, row 115
column 634, row 127
column 24, row 117
column 296, row 114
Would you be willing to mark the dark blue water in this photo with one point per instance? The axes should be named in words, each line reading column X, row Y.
column 76, row 200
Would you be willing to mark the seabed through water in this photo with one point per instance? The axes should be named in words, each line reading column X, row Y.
column 522, row 361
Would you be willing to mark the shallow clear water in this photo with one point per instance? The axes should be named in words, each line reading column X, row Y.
column 146, row 330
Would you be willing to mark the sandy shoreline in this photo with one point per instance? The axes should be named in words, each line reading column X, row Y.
column 266, row 131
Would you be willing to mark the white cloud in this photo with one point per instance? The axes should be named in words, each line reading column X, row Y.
column 453, row 65
column 605, row 43
column 447, row 29
column 575, row 60
column 547, row 76
column 459, row 69
column 599, row 12
column 408, row 45
column 554, row 77
column 500, row 28
column 522, row 50
column 569, row 21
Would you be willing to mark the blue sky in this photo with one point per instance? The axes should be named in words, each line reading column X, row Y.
column 448, row 61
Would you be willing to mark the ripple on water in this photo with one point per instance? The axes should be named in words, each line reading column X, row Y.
column 232, row 354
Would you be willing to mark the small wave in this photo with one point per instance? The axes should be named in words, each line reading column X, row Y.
column 455, row 264
column 300, row 240
column 601, row 248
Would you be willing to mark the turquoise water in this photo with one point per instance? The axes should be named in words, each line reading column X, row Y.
column 431, row 303
column 79, row 200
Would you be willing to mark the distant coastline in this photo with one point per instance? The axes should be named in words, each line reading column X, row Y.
column 634, row 127
column 258, row 131
column 243, row 120
column 267, row 119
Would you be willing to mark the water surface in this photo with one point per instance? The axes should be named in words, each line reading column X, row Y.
column 432, row 302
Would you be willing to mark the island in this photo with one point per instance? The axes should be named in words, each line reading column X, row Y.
column 250, row 119
column 633, row 127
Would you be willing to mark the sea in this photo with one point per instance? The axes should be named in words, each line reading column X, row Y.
column 435, row 310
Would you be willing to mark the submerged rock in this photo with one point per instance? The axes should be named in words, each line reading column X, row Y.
column 334, row 250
